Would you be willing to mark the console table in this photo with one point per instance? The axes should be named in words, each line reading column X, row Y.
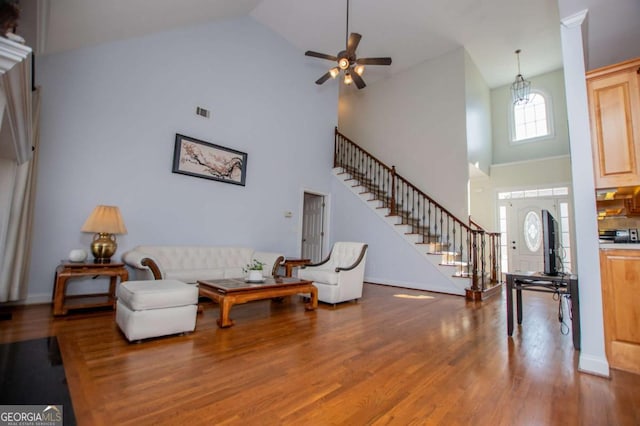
column 536, row 281
column 67, row 270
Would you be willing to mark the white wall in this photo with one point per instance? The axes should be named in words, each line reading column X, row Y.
column 390, row 259
column 539, row 173
column 109, row 119
column 478, row 103
column 505, row 151
column 415, row 120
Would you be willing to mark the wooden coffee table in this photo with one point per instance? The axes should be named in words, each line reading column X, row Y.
column 234, row 291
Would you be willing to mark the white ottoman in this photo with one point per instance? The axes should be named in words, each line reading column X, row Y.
column 156, row 308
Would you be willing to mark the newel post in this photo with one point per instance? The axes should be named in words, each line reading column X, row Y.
column 335, row 147
column 474, row 261
column 393, row 191
column 494, row 258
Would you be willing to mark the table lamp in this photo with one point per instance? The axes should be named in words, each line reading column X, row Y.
column 105, row 221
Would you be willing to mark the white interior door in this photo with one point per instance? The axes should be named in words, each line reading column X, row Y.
column 312, row 227
column 524, row 232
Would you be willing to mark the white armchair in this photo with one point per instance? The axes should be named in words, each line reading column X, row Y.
column 339, row 277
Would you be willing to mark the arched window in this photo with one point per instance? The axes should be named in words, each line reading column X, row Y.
column 531, row 120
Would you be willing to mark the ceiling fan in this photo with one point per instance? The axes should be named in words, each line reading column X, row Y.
column 348, row 62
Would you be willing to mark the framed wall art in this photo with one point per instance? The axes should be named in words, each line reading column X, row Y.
column 202, row 159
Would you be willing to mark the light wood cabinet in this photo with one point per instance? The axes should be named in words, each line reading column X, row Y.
column 614, row 110
column 620, row 271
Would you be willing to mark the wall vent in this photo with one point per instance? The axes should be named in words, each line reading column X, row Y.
column 202, row 112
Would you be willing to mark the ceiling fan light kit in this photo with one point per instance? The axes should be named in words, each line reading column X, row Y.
column 348, row 79
column 347, row 62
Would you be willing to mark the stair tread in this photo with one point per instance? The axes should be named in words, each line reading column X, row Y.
column 415, row 213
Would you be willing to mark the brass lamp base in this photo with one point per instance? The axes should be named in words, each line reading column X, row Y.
column 103, row 247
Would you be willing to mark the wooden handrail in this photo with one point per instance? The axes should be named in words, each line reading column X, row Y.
column 337, row 133
column 476, row 224
column 481, row 228
column 423, row 214
column 394, row 174
column 438, row 205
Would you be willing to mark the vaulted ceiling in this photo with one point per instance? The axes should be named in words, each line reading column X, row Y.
column 410, row 31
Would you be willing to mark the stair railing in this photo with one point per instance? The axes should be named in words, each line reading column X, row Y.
column 441, row 232
column 495, row 245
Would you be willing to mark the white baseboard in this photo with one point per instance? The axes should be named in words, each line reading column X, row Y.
column 598, row 366
column 412, row 285
column 32, row 299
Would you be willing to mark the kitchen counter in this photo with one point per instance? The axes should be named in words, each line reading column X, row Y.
column 620, row 246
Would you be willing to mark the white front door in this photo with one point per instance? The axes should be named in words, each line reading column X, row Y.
column 312, row 227
column 524, row 232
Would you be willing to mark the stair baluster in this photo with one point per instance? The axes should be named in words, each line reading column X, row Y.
column 460, row 243
column 393, row 191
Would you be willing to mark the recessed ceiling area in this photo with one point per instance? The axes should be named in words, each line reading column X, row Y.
column 409, row 31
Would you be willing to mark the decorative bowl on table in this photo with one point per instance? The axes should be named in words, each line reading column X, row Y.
column 77, row 255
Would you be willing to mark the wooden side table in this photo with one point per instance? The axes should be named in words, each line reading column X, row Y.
column 67, row 270
column 289, row 264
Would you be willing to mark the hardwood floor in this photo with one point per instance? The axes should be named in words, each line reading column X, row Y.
column 398, row 357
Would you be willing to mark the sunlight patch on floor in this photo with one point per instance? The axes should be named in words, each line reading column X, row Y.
column 412, row 296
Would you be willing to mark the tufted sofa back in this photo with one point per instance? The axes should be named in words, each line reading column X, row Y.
column 192, row 263
column 344, row 254
column 195, row 257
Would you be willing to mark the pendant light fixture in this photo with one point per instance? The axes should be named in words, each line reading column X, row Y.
column 520, row 88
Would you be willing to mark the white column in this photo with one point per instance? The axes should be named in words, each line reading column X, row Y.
column 592, row 354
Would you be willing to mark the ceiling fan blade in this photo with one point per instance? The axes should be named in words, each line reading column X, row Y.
column 352, row 44
column 373, row 61
column 358, row 80
column 324, row 78
column 320, row 55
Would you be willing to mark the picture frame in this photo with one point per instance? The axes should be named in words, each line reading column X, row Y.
column 194, row 157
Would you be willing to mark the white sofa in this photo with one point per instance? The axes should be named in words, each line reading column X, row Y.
column 192, row 263
column 340, row 276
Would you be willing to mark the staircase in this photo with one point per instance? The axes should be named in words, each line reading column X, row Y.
column 465, row 254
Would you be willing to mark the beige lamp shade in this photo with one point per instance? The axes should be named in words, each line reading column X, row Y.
column 105, row 219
